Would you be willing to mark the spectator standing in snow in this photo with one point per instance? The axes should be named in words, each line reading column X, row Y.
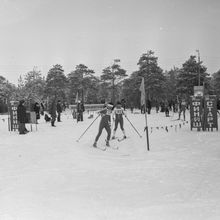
column 118, row 113
column 123, row 104
column 59, row 110
column 105, row 123
column 80, row 110
column 148, row 106
column 182, row 108
column 22, row 118
column 37, row 110
column 132, row 107
column 42, row 108
column 166, row 108
column 52, row 111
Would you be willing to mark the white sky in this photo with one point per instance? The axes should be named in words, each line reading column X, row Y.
column 95, row 32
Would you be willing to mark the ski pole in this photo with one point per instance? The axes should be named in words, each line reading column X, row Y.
column 87, row 128
column 133, row 126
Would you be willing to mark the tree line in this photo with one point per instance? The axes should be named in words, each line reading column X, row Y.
column 114, row 83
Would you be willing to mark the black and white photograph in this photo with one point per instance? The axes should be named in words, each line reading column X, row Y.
column 109, row 110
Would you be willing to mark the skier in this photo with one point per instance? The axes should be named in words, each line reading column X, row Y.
column 105, row 123
column 182, row 108
column 118, row 113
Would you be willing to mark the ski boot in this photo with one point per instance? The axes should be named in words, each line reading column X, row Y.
column 95, row 144
column 113, row 137
column 107, row 143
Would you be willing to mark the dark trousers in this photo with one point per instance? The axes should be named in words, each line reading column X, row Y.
column 79, row 116
column 53, row 119
column 121, row 124
column 58, row 117
column 107, row 128
column 21, row 128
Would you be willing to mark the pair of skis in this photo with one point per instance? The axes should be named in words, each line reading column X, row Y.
column 104, row 148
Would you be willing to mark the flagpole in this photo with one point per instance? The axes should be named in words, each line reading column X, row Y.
column 146, row 128
column 143, row 102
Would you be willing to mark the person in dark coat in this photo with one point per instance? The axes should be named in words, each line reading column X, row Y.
column 123, row 104
column 166, row 108
column 42, row 108
column 148, row 105
column 37, row 110
column 59, row 110
column 52, row 111
column 80, row 110
column 21, row 116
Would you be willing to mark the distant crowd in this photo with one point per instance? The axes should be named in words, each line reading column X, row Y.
column 51, row 111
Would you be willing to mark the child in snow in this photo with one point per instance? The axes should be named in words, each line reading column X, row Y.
column 118, row 118
column 105, row 123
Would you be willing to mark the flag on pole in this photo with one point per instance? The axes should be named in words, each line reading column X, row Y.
column 77, row 98
column 143, row 102
column 142, row 89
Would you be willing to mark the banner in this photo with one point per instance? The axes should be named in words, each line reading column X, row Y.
column 196, row 112
column 13, row 115
column 198, row 90
column 77, row 98
column 210, row 112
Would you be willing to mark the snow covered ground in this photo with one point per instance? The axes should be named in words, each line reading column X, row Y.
column 47, row 175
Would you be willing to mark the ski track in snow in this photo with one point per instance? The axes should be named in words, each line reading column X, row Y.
column 47, row 175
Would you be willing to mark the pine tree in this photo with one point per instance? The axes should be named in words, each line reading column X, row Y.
column 82, row 81
column 34, row 83
column 56, row 82
column 153, row 75
column 188, row 76
column 112, row 75
column 216, row 83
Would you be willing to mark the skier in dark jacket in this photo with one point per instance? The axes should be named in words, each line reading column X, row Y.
column 21, row 116
column 105, row 123
column 59, row 110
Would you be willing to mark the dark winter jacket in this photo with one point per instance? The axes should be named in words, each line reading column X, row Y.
column 80, row 108
column 52, row 109
column 59, row 108
column 37, row 110
column 21, row 113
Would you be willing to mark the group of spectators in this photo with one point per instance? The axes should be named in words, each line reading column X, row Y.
column 54, row 110
column 54, row 107
column 166, row 106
